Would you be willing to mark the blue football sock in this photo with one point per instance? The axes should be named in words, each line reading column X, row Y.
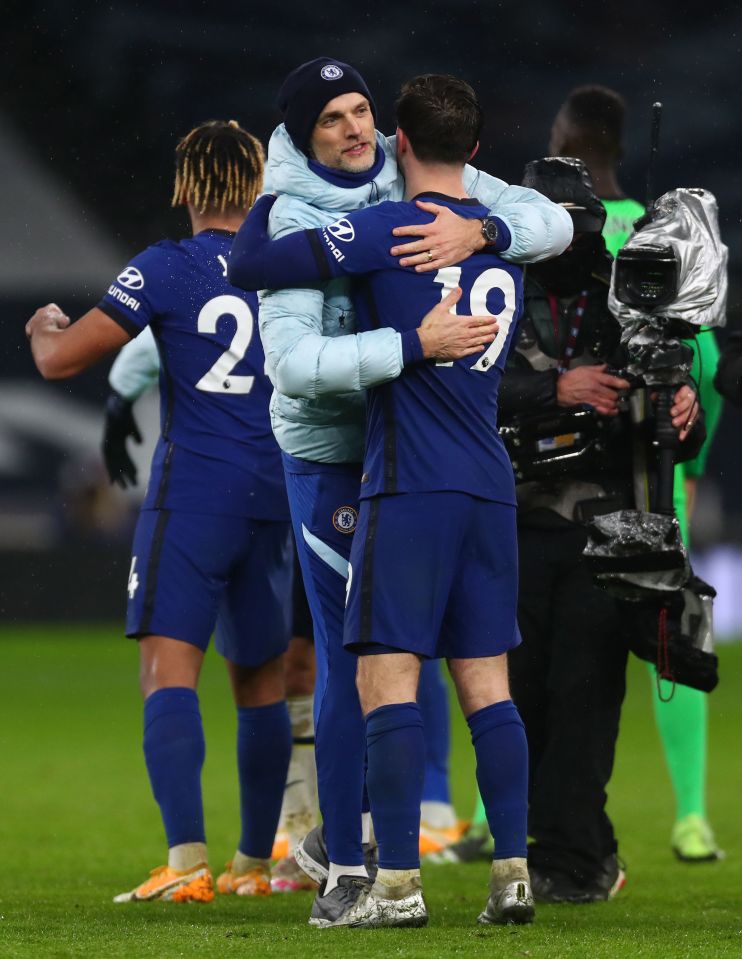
column 174, row 751
column 264, row 743
column 500, row 745
column 432, row 697
column 396, row 768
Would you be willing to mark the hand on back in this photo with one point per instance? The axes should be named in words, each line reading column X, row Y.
column 446, row 336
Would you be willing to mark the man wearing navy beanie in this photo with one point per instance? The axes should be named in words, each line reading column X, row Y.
column 302, row 99
column 325, row 160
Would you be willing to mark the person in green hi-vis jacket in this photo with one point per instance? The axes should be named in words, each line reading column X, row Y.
column 682, row 714
column 589, row 126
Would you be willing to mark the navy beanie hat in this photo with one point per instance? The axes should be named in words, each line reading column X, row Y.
column 308, row 88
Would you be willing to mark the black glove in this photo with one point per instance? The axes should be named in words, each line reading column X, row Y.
column 119, row 425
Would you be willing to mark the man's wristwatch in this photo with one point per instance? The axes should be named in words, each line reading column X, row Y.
column 489, row 230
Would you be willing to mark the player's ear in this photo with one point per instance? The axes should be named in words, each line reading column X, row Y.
column 474, row 151
column 403, row 144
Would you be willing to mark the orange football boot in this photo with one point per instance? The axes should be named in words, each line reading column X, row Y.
column 255, row 882
column 171, row 885
column 434, row 840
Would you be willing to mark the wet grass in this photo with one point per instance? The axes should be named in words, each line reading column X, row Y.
column 77, row 825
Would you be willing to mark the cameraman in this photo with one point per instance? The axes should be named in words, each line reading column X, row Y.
column 568, row 676
column 589, row 125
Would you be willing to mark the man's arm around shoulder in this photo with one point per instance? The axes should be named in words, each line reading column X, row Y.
column 539, row 228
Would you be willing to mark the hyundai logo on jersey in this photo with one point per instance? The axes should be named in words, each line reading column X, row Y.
column 131, row 278
column 122, row 297
column 342, row 230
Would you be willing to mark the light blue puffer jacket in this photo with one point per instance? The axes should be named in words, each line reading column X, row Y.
column 137, row 366
column 320, row 372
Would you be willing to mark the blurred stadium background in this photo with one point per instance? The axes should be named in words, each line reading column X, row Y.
column 92, row 101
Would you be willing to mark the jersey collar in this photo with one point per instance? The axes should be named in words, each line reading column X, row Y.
column 462, row 201
column 217, row 230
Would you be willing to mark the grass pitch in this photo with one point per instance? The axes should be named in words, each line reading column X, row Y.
column 77, row 825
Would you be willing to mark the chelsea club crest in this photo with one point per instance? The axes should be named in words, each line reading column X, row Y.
column 344, row 519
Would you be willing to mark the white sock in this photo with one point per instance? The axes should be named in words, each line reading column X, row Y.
column 367, row 828
column 299, row 810
column 301, row 714
column 242, row 864
column 337, row 871
column 391, row 881
column 438, row 815
column 504, row 871
column 187, row 856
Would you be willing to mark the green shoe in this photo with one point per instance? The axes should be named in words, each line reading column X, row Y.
column 693, row 840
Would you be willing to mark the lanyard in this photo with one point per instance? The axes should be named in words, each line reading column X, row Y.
column 574, row 330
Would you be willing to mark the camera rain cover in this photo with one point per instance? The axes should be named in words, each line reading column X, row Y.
column 688, row 221
column 634, row 554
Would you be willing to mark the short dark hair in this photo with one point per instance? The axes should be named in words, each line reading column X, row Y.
column 441, row 117
column 218, row 164
column 597, row 115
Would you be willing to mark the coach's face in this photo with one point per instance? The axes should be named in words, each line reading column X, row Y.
column 343, row 137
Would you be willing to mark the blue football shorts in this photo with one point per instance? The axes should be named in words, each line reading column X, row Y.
column 193, row 572
column 323, row 499
column 435, row 574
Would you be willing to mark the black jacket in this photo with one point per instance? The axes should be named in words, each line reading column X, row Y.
column 529, row 386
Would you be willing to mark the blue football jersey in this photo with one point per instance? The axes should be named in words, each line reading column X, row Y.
column 216, row 452
column 435, row 427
